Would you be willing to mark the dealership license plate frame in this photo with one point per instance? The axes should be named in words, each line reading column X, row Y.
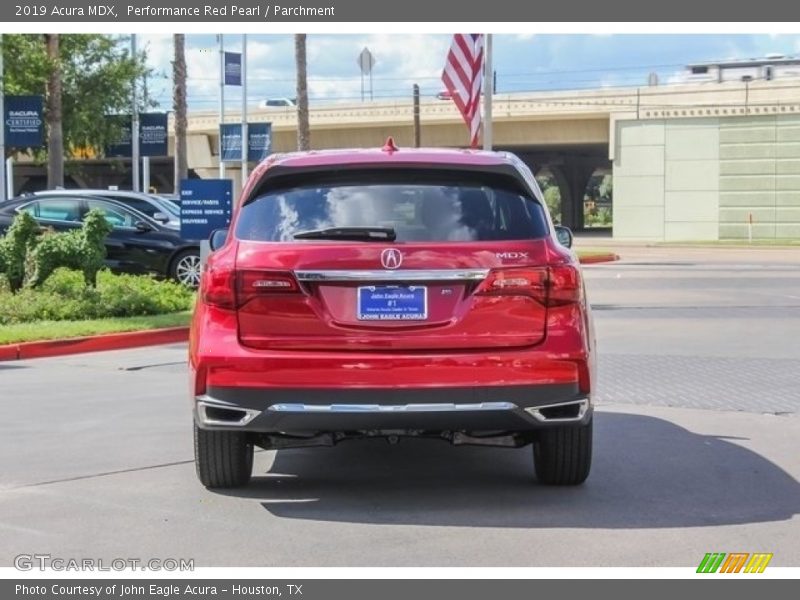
column 368, row 304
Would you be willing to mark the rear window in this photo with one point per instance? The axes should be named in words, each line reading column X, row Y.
column 418, row 212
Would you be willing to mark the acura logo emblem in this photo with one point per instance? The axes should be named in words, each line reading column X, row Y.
column 391, row 258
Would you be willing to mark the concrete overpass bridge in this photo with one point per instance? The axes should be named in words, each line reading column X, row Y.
column 689, row 161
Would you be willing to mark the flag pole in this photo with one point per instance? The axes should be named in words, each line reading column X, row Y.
column 244, row 110
column 135, row 183
column 488, row 78
column 2, row 129
column 221, row 102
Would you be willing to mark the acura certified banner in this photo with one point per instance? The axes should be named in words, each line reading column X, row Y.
column 153, row 136
column 24, row 121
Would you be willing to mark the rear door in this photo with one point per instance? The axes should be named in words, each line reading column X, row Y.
column 392, row 261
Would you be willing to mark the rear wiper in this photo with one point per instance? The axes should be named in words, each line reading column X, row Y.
column 369, row 234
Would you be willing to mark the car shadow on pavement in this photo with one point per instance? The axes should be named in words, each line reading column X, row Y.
column 647, row 473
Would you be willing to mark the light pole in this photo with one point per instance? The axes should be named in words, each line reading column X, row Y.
column 2, row 127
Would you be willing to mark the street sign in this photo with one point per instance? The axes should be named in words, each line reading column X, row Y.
column 259, row 141
column 24, row 122
column 366, row 61
column 205, row 206
column 230, row 142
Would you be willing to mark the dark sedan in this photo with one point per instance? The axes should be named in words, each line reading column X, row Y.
column 137, row 244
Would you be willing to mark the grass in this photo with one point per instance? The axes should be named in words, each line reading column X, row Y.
column 51, row 330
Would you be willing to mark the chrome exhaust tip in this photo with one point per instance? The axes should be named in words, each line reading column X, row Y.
column 217, row 413
column 562, row 412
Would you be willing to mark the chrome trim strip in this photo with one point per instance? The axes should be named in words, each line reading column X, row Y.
column 535, row 411
column 203, row 402
column 399, row 275
column 390, row 408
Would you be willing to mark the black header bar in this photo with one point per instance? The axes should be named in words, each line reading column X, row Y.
column 443, row 11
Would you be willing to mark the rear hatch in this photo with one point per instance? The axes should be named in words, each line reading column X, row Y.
column 392, row 261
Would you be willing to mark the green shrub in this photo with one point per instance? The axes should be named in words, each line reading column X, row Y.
column 65, row 297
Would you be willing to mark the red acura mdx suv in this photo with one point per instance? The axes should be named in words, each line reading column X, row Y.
column 391, row 292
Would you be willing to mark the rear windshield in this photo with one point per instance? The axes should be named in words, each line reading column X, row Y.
column 418, row 212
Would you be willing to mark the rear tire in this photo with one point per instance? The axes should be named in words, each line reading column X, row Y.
column 562, row 455
column 224, row 459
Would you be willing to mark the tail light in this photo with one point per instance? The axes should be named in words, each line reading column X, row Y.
column 551, row 286
column 515, row 282
column 216, row 287
column 252, row 284
column 229, row 289
column 564, row 285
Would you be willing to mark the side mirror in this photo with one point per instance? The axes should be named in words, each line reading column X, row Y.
column 564, row 236
column 143, row 226
column 161, row 217
column 217, row 239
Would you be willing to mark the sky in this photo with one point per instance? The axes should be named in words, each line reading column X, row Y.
column 521, row 62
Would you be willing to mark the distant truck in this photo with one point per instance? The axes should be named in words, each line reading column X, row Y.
column 772, row 66
column 277, row 102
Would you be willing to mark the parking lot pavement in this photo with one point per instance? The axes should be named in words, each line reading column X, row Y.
column 695, row 451
column 699, row 331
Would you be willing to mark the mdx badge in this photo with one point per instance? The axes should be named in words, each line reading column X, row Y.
column 391, row 258
column 511, row 255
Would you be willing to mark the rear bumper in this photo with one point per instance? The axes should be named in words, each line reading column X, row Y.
column 468, row 409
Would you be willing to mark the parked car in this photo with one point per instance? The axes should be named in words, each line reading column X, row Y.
column 391, row 293
column 137, row 244
column 277, row 102
column 152, row 205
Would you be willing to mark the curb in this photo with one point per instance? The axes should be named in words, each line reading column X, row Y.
column 599, row 258
column 95, row 343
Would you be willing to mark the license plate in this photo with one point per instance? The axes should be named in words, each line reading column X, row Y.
column 392, row 303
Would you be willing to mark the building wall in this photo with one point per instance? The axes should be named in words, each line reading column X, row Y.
column 703, row 178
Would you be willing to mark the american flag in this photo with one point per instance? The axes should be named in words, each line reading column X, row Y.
column 463, row 78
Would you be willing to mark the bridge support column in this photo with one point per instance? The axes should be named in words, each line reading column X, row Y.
column 572, row 177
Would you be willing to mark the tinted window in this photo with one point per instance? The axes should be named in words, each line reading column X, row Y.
column 143, row 206
column 116, row 216
column 169, row 206
column 417, row 212
column 55, row 209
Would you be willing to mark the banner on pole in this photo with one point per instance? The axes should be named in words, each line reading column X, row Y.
column 230, row 142
column 233, row 68
column 153, row 134
column 259, row 141
column 24, row 121
column 122, row 147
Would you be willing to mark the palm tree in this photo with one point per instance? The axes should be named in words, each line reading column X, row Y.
column 303, row 131
column 179, row 106
column 55, row 131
